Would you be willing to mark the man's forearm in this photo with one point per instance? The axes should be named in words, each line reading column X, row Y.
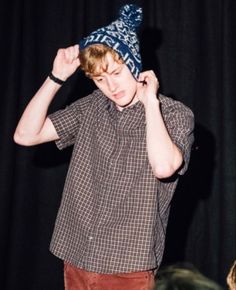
column 34, row 116
column 164, row 156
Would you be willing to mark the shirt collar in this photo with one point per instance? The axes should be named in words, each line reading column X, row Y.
column 129, row 118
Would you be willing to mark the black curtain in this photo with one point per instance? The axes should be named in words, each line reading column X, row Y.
column 191, row 45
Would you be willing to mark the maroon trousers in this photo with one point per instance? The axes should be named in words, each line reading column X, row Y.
column 78, row 279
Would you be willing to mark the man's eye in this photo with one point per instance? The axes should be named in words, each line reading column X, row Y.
column 117, row 72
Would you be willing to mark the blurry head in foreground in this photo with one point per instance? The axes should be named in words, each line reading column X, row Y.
column 179, row 278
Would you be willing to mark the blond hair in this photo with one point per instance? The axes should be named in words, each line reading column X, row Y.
column 93, row 59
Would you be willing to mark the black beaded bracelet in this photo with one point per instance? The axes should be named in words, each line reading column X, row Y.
column 56, row 80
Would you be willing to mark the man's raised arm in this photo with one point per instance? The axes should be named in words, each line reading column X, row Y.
column 34, row 127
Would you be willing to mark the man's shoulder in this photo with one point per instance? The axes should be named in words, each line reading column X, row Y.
column 169, row 105
column 94, row 100
column 169, row 101
column 93, row 97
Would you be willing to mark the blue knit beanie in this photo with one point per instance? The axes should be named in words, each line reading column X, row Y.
column 121, row 36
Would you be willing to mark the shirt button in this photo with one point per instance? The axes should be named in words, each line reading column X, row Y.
column 90, row 238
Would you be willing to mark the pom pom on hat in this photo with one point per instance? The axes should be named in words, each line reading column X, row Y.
column 121, row 36
column 131, row 15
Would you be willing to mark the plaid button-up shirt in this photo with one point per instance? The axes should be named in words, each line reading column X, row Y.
column 114, row 211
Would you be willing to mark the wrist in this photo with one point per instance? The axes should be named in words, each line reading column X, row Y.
column 151, row 100
column 56, row 79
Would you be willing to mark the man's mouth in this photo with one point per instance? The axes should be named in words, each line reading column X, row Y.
column 118, row 95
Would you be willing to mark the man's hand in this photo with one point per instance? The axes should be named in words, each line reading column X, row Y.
column 147, row 87
column 66, row 62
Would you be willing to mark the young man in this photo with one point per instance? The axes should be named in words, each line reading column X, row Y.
column 130, row 146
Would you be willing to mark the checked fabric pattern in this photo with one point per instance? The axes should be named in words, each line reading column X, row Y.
column 114, row 211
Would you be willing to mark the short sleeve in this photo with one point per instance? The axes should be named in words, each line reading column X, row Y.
column 66, row 123
column 179, row 120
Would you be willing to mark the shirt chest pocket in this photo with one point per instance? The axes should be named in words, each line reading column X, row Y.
column 122, row 155
column 134, row 158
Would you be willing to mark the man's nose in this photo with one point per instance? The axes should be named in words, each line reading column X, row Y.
column 111, row 84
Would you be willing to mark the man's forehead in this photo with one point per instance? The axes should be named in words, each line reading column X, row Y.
column 107, row 67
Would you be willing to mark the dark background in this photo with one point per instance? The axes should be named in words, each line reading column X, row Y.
column 191, row 45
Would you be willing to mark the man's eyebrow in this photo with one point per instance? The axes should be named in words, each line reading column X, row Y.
column 96, row 75
column 115, row 69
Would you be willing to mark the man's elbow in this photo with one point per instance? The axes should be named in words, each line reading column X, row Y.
column 162, row 172
column 167, row 170
column 23, row 139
